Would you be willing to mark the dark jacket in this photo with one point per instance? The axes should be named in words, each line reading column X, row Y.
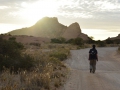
column 93, row 54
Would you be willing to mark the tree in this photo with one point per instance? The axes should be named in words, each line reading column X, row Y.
column 90, row 40
column 78, row 41
column 101, row 43
column 109, row 41
column 91, row 37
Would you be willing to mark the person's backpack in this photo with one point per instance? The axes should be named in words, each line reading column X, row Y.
column 93, row 54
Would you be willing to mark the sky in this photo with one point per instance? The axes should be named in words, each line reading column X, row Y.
column 97, row 18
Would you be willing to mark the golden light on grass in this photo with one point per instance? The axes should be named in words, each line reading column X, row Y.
column 48, row 74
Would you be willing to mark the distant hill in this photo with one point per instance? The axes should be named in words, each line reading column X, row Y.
column 51, row 28
column 113, row 40
column 117, row 37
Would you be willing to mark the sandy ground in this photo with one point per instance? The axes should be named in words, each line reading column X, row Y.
column 106, row 77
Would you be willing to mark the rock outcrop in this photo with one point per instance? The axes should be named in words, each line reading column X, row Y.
column 74, row 31
column 51, row 28
column 117, row 37
column 46, row 27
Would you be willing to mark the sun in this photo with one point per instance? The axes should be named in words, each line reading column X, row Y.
column 38, row 10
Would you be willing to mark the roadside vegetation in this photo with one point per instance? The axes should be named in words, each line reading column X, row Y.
column 32, row 69
column 76, row 41
column 79, row 42
column 39, row 66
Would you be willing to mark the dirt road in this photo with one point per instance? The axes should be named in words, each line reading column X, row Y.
column 106, row 77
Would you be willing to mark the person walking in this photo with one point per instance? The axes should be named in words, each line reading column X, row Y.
column 93, row 57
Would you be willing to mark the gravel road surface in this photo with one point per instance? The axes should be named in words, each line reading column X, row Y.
column 106, row 77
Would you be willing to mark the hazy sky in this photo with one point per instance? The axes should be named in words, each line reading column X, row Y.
column 97, row 18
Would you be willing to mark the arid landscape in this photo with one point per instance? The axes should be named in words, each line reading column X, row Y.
column 50, row 44
column 51, row 56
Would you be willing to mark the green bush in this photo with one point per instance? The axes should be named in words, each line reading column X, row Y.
column 90, row 41
column 11, row 55
column 114, row 41
column 117, row 41
column 78, row 41
column 101, row 43
column 58, row 40
column 108, row 41
column 70, row 41
column 59, row 55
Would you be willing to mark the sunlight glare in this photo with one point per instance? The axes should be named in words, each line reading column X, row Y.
column 38, row 10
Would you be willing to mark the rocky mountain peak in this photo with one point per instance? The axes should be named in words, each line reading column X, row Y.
column 75, row 27
column 73, row 31
column 52, row 20
column 113, row 38
column 118, row 37
column 75, row 24
column 50, row 27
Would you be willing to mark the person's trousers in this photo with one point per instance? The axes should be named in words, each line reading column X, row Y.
column 93, row 65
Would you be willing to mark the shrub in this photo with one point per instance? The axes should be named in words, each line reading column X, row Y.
column 114, row 41
column 78, row 41
column 11, row 55
column 59, row 55
column 70, row 41
column 101, row 43
column 108, row 41
column 10, row 48
column 48, row 74
column 12, row 38
column 55, row 61
column 117, row 41
column 58, row 40
column 90, row 41
column 35, row 44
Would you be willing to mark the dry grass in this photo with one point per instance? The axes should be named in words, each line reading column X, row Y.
column 112, row 45
column 49, row 74
column 56, row 46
